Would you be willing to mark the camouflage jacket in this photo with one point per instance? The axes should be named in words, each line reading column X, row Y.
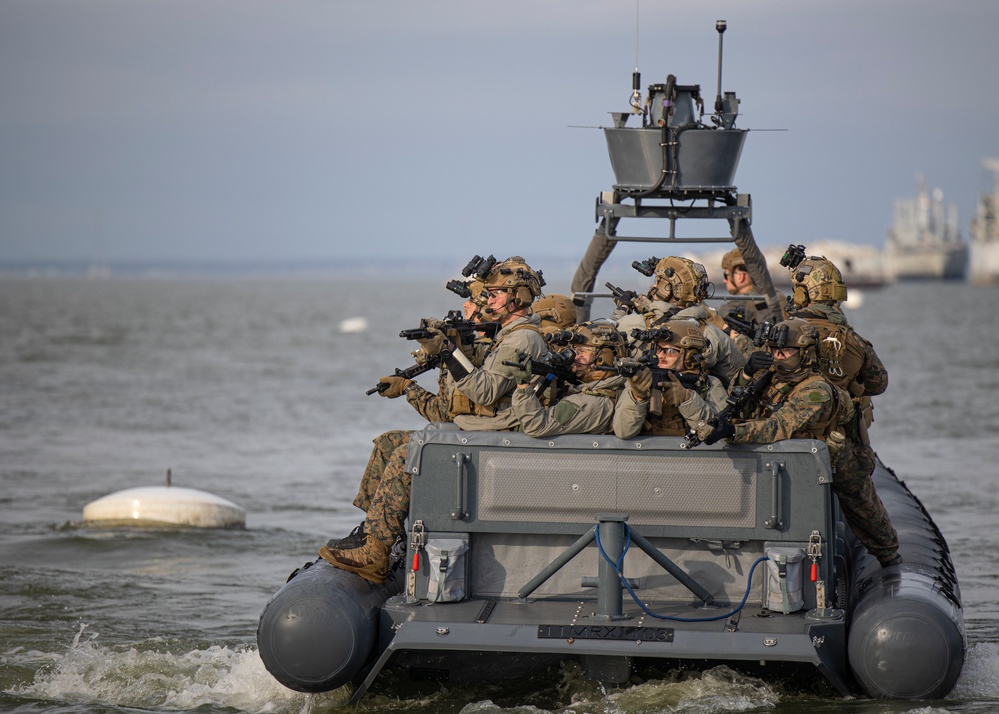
column 811, row 409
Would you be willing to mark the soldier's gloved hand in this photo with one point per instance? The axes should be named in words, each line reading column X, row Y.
column 394, row 386
column 434, row 344
column 673, row 391
column 757, row 361
column 521, row 372
column 640, row 384
column 724, row 431
column 626, row 299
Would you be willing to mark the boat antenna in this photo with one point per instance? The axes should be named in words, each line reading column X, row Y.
column 720, row 26
column 636, row 76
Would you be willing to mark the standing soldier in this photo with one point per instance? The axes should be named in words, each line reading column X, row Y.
column 661, row 405
column 479, row 401
column 850, row 362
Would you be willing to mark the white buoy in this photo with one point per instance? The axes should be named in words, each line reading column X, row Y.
column 159, row 506
column 354, row 324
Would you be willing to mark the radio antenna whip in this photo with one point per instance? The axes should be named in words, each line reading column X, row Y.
column 636, row 76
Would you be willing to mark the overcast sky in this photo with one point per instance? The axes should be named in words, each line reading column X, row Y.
column 248, row 130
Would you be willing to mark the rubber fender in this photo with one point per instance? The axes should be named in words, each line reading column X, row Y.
column 321, row 627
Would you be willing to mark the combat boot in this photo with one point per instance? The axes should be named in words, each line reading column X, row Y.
column 370, row 561
column 354, row 540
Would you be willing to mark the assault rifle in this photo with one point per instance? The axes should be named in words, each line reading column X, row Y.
column 736, row 320
column 630, row 366
column 432, row 362
column 453, row 325
column 553, row 367
column 738, row 399
column 624, row 298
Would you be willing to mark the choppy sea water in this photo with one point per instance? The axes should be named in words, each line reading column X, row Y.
column 249, row 389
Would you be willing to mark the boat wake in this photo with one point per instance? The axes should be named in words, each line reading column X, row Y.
column 149, row 676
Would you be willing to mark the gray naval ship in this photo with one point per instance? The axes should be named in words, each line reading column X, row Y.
column 616, row 554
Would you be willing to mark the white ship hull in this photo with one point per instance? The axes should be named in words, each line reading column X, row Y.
column 983, row 265
column 928, row 262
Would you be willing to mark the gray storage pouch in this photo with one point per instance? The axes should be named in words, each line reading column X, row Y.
column 446, row 561
column 785, row 579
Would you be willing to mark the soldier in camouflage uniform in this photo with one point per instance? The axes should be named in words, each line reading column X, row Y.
column 680, row 287
column 589, row 407
column 668, row 408
column 801, row 403
column 850, row 362
column 798, row 404
column 478, row 399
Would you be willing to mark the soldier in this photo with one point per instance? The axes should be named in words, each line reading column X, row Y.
column 589, row 407
column 801, row 403
column 659, row 404
column 680, row 287
column 850, row 362
column 739, row 282
column 798, row 404
column 480, row 400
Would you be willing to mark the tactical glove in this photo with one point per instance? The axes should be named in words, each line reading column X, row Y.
column 434, row 344
column 757, row 361
column 626, row 299
column 724, row 431
column 394, row 386
column 640, row 384
column 673, row 391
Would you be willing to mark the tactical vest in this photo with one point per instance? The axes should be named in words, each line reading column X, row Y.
column 841, row 352
column 460, row 404
column 776, row 397
column 669, row 423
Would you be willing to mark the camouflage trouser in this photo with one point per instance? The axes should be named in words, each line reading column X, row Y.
column 384, row 490
column 861, row 505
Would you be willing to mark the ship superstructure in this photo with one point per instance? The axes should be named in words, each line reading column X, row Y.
column 924, row 242
column 984, row 247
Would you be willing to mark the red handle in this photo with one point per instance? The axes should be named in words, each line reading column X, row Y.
column 815, row 571
column 416, row 561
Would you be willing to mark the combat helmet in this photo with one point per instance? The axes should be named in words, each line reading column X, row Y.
column 514, row 275
column 687, row 336
column 610, row 342
column 556, row 312
column 795, row 332
column 817, row 279
column 681, row 281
